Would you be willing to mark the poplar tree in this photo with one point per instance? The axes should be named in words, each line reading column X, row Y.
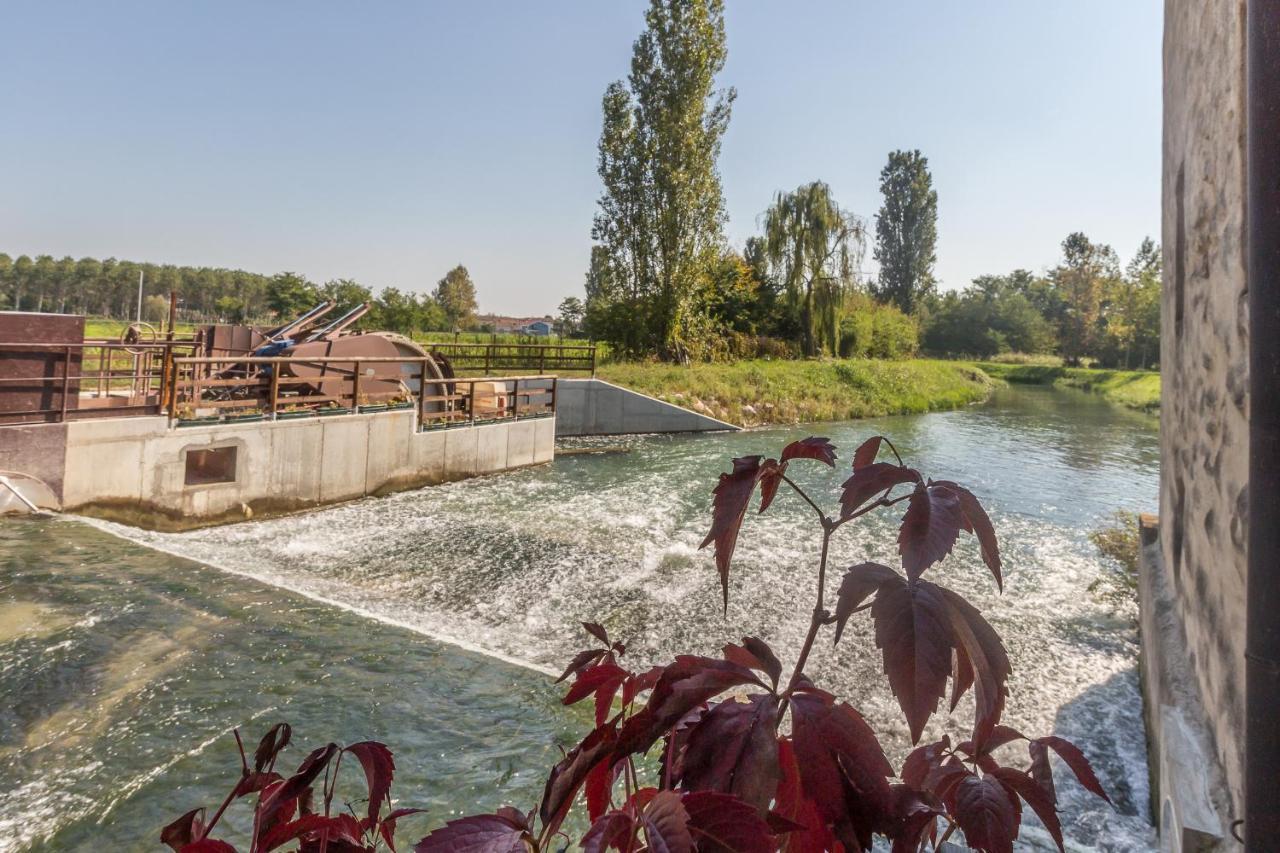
column 906, row 231
column 661, row 215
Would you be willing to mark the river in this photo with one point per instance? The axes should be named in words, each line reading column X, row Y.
column 429, row 619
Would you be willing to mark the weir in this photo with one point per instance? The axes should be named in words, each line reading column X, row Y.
column 233, row 423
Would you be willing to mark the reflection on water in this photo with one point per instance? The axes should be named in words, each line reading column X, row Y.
column 139, row 657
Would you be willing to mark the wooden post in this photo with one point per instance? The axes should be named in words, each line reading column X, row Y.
column 166, row 365
column 66, row 380
column 356, row 367
column 422, row 390
column 515, row 399
column 554, row 384
column 273, row 395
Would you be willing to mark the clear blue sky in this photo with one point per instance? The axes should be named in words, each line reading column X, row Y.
column 389, row 141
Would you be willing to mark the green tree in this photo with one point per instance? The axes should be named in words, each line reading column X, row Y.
column 1087, row 270
column 346, row 292
column 813, row 247
column 290, row 294
column 570, row 316
column 661, row 214
column 906, row 230
column 456, row 295
column 1131, row 311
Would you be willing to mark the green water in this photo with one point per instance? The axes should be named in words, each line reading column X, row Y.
column 430, row 619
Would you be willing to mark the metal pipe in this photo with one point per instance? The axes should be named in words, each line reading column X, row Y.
column 1262, row 631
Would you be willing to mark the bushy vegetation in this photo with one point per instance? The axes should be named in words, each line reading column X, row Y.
column 1137, row 389
column 752, row 393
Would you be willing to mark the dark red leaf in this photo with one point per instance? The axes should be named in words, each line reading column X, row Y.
column 986, row 813
column 1040, row 770
column 1079, row 765
column 866, row 483
column 961, row 676
column 979, row 642
column 637, row 684
column 842, row 766
column 771, row 474
column 666, row 824
column 208, row 845
column 930, row 527
column 913, row 630
column 616, row 829
column 255, row 782
column 867, row 452
column 601, row 681
column 490, row 833
column 387, row 827
column 1021, row 784
column 184, row 830
column 733, row 749
column 721, row 823
column 1000, row 736
column 728, row 508
column 276, row 739
column 859, row 584
column 597, row 630
column 278, row 798
column 794, row 805
column 683, row 686
column 978, row 523
column 922, row 760
column 582, row 660
column 813, row 447
column 780, row 825
column 598, row 788
column 915, row 817
column 568, row 776
column 379, row 771
column 283, row 833
column 755, row 654
column 944, row 778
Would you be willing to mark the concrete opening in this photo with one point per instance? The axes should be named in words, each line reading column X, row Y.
column 216, row 465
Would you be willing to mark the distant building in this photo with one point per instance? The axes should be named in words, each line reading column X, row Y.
column 538, row 327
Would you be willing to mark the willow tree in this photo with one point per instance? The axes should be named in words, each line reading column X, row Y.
column 661, row 214
column 814, row 248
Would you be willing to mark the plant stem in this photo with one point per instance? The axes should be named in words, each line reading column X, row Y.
column 801, row 492
column 819, row 612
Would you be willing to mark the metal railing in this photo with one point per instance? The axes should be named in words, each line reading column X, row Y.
column 51, row 383
column 496, row 357
column 202, row 392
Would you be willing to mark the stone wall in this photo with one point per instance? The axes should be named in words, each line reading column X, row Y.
column 1204, row 361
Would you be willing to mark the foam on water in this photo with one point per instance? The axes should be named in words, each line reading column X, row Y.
column 508, row 565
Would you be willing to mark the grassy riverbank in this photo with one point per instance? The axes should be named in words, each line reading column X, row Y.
column 1137, row 389
column 753, row 393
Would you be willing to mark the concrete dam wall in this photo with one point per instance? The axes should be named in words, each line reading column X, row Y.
column 596, row 407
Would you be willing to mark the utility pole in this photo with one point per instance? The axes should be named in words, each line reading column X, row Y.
column 140, row 274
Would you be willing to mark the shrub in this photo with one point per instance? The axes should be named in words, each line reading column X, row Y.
column 748, row 760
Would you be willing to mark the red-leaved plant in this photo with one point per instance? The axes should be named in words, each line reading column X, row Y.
column 750, row 762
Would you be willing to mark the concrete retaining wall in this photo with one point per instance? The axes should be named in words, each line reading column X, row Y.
column 596, row 407
column 134, row 469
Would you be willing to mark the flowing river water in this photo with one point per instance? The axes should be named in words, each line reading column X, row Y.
column 430, row 619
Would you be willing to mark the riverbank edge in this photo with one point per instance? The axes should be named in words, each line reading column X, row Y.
column 1134, row 389
column 758, row 393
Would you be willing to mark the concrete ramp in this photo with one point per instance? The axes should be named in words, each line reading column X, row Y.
column 596, row 407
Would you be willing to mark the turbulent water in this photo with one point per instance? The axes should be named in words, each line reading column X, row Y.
column 429, row 619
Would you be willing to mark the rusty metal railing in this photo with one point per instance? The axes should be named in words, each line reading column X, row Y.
column 201, row 391
column 50, row 383
column 495, row 357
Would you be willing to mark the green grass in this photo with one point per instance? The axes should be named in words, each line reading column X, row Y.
column 753, row 393
column 96, row 328
column 1137, row 389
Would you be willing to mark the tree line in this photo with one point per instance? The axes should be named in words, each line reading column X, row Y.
column 109, row 288
column 662, row 280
